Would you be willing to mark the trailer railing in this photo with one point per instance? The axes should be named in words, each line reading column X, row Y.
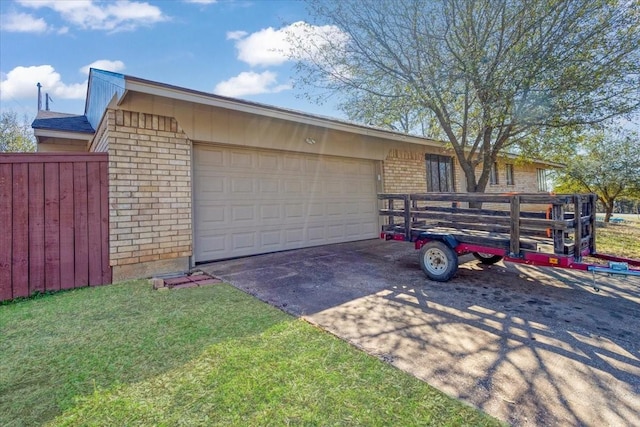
column 563, row 224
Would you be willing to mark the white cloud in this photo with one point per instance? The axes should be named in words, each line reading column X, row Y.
column 274, row 47
column 120, row 15
column 201, row 1
column 236, row 35
column 103, row 64
column 250, row 83
column 20, row 83
column 22, row 23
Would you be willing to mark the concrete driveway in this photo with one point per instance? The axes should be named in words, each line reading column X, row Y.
column 529, row 346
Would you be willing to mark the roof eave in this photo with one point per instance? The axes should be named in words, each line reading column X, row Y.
column 49, row 133
column 134, row 84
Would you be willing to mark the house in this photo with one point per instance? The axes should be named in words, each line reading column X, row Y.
column 195, row 177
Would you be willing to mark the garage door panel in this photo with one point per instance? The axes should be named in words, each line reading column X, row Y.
column 209, row 184
column 269, row 185
column 244, row 240
column 241, row 159
column 213, row 246
column 293, row 186
column 267, row 161
column 334, row 209
column 291, row 164
column 270, row 212
column 271, row 239
column 294, row 235
column 316, row 209
column 257, row 201
column 212, row 214
column 240, row 214
column 210, row 158
column 293, row 211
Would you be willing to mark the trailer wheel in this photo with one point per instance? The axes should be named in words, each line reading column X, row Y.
column 487, row 258
column 438, row 261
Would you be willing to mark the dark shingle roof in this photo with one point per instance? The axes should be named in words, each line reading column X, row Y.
column 62, row 122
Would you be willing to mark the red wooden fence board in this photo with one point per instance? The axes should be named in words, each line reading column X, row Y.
column 93, row 221
column 36, row 227
column 15, row 158
column 6, row 208
column 81, row 230
column 51, row 226
column 20, row 224
column 54, row 223
column 104, row 226
column 67, row 257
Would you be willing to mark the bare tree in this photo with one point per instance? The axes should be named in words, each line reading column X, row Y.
column 486, row 73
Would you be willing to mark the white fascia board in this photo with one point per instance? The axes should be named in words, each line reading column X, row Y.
column 62, row 134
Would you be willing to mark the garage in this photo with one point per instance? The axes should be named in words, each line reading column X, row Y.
column 250, row 201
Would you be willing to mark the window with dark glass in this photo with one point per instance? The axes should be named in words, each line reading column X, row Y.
column 439, row 173
column 509, row 173
column 493, row 176
column 542, row 179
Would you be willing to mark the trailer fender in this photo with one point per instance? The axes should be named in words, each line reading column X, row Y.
column 448, row 239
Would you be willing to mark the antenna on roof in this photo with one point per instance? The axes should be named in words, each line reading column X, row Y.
column 47, row 98
column 39, row 97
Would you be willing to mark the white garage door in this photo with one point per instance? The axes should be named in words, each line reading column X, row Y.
column 248, row 201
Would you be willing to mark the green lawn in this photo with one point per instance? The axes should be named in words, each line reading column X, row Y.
column 127, row 355
column 620, row 239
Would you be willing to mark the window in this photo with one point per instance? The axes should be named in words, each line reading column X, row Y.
column 509, row 173
column 542, row 179
column 493, row 175
column 439, row 173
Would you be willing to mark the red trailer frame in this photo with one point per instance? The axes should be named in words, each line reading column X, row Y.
column 551, row 231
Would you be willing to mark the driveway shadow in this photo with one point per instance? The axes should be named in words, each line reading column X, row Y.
column 528, row 345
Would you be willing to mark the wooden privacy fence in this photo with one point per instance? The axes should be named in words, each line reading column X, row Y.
column 54, row 222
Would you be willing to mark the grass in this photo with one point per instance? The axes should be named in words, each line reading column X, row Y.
column 621, row 239
column 126, row 355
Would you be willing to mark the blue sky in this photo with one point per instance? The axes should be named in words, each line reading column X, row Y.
column 229, row 47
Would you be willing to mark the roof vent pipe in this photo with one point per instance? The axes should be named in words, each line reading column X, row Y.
column 39, row 96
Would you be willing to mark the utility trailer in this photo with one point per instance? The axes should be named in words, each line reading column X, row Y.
column 549, row 230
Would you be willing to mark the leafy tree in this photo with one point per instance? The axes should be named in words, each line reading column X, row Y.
column 14, row 135
column 604, row 163
column 484, row 75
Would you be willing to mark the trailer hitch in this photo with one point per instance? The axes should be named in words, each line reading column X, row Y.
column 613, row 268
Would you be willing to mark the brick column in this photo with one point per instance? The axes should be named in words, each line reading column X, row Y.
column 149, row 195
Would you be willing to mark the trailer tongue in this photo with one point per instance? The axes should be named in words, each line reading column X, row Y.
column 549, row 230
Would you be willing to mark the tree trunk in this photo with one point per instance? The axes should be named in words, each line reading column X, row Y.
column 474, row 187
column 608, row 211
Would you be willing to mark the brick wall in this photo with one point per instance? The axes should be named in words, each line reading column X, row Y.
column 525, row 179
column 405, row 172
column 149, row 194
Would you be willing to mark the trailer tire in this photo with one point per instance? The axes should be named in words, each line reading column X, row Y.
column 438, row 261
column 487, row 259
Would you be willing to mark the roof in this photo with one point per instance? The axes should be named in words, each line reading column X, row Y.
column 51, row 120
